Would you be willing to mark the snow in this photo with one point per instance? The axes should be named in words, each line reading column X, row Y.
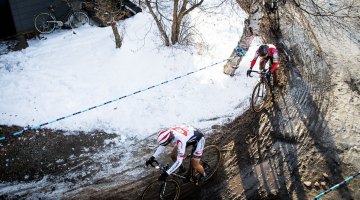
column 67, row 73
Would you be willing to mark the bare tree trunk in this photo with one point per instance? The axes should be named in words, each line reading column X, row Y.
column 108, row 13
column 158, row 23
column 175, row 26
column 177, row 18
column 251, row 29
column 118, row 40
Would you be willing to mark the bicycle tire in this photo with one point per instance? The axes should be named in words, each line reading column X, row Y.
column 45, row 23
column 261, row 90
column 78, row 18
column 168, row 190
column 210, row 160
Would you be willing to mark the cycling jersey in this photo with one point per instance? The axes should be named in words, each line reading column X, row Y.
column 184, row 136
column 272, row 56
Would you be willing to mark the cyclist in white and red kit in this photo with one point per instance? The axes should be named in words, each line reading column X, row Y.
column 266, row 52
column 181, row 137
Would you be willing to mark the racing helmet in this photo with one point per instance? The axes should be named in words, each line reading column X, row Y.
column 165, row 136
column 263, row 50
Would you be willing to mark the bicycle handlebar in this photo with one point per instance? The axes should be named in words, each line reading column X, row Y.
column 155, row 162
column 259, row 72
column 160, row 166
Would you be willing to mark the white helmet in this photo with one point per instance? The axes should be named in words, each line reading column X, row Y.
column 165, row 137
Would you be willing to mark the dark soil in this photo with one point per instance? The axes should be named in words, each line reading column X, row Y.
column 35, row 154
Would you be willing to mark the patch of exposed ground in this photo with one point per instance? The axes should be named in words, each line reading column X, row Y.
column 46, row 152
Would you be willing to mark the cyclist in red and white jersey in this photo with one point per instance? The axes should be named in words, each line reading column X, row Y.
column 266, row 52
column 181, row 137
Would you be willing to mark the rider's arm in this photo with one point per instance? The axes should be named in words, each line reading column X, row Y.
column 254, row 60
column 273, row 68
column 158, row 151
column 275, row 62
column 181, row 152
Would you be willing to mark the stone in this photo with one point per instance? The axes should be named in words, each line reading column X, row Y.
column 325, row 175
column 307, row 183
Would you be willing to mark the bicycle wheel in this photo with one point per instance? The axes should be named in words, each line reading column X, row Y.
column 259, row 96
column 45, row 23
column 210, row 160
column 168, row 190
column 78, row 19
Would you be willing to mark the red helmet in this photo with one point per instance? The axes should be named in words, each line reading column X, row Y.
column 165, row 137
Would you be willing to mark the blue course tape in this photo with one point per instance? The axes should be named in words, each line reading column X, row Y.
column 336, row 186
column 76, row 113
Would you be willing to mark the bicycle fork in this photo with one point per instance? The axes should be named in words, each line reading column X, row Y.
column 262, row 88
column 162, row 190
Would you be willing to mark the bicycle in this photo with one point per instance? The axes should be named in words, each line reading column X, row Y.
column 47, row 22
column 263, row 91
column 170, row 188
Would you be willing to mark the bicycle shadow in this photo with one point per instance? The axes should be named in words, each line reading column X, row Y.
column 275, row 149
column 236, row 176
column 268, row 178
column 301, row 107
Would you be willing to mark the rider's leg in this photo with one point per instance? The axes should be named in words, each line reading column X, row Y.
column 196, row 165
column 196, row 156
column 275, row 78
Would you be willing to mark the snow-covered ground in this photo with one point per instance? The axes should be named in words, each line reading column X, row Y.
column 70, row 72
column 67, row 73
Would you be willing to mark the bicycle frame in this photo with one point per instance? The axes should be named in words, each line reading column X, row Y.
column 190, row 176
column 164, row 184
column 261, row 90
column 263, row 76
column 170, row 187
column 46, row 22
